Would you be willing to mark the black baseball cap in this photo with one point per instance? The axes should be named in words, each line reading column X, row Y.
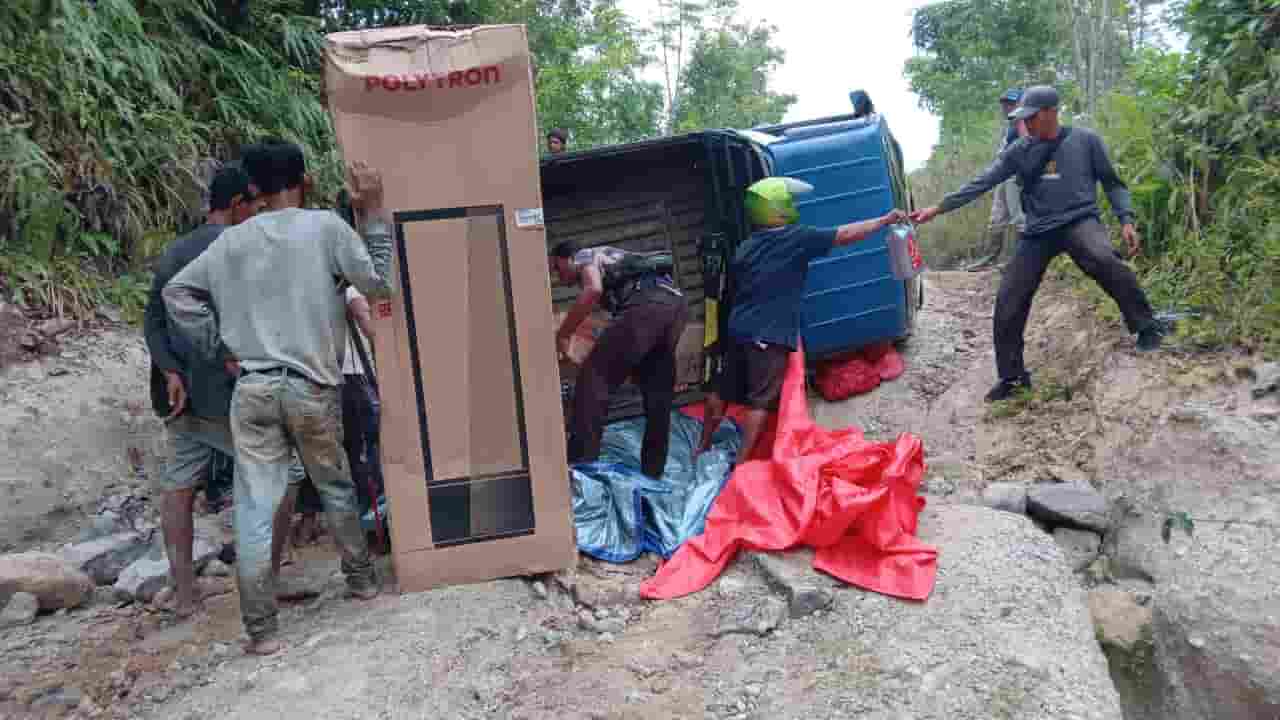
column 1035, row 99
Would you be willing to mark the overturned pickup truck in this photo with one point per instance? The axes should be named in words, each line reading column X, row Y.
column 684, row 195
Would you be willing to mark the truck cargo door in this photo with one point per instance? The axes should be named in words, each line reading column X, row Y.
column 733, row 163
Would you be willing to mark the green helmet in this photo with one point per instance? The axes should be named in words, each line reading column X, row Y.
column 771, row 202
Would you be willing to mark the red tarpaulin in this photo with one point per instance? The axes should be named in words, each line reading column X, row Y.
column 854, row 501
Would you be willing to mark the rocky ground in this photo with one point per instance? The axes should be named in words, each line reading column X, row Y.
column 1067, row 602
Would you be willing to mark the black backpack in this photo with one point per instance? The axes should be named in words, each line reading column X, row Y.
column 634, row 271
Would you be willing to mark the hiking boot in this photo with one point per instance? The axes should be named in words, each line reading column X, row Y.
column 1151, row 337
column 1006, row 389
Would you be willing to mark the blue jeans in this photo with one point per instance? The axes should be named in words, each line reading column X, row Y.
column 274, row 413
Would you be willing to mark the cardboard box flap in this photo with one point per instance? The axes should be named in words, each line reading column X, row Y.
column 422, row 58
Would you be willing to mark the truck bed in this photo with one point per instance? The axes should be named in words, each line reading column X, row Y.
column 661, row 209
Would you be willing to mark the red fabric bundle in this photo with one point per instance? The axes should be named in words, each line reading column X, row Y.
column 842, row 378
column 887, row 360
column 853, row 500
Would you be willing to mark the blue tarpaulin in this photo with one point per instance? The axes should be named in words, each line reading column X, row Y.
column 619, row 513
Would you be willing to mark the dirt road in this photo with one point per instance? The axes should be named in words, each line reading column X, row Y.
column 582, row 645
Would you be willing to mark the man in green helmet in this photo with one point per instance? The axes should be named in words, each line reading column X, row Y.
column 767, row 277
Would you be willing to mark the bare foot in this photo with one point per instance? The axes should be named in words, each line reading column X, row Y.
column 167, row 600
column 263, row 647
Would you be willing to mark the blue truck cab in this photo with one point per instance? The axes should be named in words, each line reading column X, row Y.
column 851, row 297
column 685, row 194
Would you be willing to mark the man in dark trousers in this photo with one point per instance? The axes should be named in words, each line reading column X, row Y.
column 193, row 395
column 650, row 314
column 767, row 277
column 1059, row 168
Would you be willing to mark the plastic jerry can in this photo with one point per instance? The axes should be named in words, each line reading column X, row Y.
column 904, row 255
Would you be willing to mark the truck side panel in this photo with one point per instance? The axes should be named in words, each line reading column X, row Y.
column 851, row 298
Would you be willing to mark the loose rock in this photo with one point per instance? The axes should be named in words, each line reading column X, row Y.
column 145, row 577
column 55, row 582
column 1121, row 622
column 106, row 557
column 1266, row 380
column 806, row 589
column 1080, row 547
column 1009, row 497
column 1075, row 506
column 217, row 568
column 21, row 610
column 759, row 618
column 101, row 525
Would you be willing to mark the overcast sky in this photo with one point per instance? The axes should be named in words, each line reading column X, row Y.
column 835, row 46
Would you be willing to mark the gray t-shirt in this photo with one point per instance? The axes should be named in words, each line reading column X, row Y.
column 1067, row 190
column 266, row 291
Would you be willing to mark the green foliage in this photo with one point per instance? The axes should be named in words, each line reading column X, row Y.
column 1046, row 392
column 1180, row 520
column 957, row 236
column 588, row 77
column 109, row 109
column 971, row 51
column 726, row 81
column 1195, row 135
column 1197, row 138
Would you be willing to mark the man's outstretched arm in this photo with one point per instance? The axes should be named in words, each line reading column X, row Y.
column 1002, row 169
column 853, row 232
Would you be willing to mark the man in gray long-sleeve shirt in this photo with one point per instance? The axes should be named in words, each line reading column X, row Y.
column 268, row 295
column 1060, row 169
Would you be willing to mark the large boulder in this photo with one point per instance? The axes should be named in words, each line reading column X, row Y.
column 1005, row 634
column 1215, row 618
column 55, row 582
column 1217, row 622
column 104, row 558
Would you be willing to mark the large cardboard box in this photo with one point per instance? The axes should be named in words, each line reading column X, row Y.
column 473, row 445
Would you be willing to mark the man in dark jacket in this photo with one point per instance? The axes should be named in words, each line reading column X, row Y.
column 192, row 395
column 1059, row 168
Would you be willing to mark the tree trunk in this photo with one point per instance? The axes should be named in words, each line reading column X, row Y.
column 1078, row 70
column 1095, row 56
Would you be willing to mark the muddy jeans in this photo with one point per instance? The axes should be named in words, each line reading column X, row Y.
column 1087, row 243
column 273, row 413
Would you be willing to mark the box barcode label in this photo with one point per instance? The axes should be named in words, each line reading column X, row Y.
column 529, row 218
